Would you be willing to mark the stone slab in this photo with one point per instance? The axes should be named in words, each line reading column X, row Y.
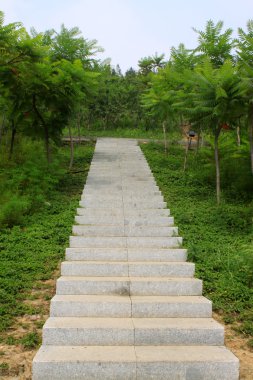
column 90, row 306
column 139, row 286
column 125, row 254
column 132, row 269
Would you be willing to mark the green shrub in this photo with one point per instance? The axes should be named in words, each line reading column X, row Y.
column 30, row 340
column 13, row 211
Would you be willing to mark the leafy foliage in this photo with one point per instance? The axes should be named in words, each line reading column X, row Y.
column 219, row 238
column 30, row 253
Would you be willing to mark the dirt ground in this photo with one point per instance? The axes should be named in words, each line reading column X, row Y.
column 238, row 345
column 16, row 361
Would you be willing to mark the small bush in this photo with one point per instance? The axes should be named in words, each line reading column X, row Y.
column 30, row 340
column 13, row 211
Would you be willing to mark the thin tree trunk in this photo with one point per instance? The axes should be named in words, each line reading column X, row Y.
column 47, row 144
column 13, row 134
column 198, row 141
column 71, row 149
column 78, row 127
column 2, row 128
column 165, row 138
column 251, row 139
column 238, row 136
column 186, row 155
column 46, row 131
column 202, row 139
column 217, row 164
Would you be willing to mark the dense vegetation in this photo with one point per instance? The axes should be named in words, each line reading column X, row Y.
column 219, row 238
column 52, row 85
column 32, row 249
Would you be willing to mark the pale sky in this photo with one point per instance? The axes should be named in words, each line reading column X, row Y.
column 130, row 29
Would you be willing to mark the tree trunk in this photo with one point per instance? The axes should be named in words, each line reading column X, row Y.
column 2, row 128
column 46, row 131
column 251, row 139
column 13, row 134
column 202, row 139
column 71, row 149
column 198, row 141
column 238, row 136
column 78, row 127
column 165, row 138
column 186, row 155
column 217, row 164
column 47, row 144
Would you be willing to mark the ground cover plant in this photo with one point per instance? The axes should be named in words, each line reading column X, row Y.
column 219, row 238
column 32, row 245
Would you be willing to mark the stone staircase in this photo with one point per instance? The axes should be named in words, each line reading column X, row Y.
column 127, row 305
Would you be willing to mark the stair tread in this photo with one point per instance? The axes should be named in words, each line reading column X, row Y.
column 126, row 323
column 134, row 354
column 127, row 298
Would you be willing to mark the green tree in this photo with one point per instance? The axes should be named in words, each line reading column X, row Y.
column 212, row 97
column 215, row 44
column 70, row 45
column 244, row 45
column 159, row 99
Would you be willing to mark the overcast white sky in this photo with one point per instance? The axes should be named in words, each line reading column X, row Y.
column 130, row 29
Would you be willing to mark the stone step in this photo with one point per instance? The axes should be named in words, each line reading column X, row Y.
column 123, row 242
column 100, row 212
column 118, row 203
column 124, row 230
column 162, row 221
column 125, row 254
column 124, row 269
column 134, row 306
column 126, row 213
column 138, row 286
column 135, row 363
column 141, row 183
column 80, row 331
column 122, row 187
column 126, row 198
column 129, row 193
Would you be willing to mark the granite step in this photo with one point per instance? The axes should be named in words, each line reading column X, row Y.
column 125, row 254
column 131, row 269
column 80, row 331
column 135, row 306
column 138, row 286
column 135, row 363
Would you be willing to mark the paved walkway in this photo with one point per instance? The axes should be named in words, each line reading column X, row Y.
column 127, row 305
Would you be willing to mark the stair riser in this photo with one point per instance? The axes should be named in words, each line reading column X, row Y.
column 119, row 221
column 138, row 310
column 125, row 288
column 100, row 254
column 130, row 183
column 134, row 270
column 92, row 371
column 126, row 198
column 144, row 188
column 130, row 193
column 130, row 337
column 119, row 213
column 124, row 231
column 131, row 371
column 118, row 203
column 166, row 310
column 78, row 309
column 123, row 242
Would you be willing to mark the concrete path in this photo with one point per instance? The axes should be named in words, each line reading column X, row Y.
column 127, row 305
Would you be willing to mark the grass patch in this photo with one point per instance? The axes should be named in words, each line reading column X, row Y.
column 31, row 340
column 31, row 251
column 219, row 238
